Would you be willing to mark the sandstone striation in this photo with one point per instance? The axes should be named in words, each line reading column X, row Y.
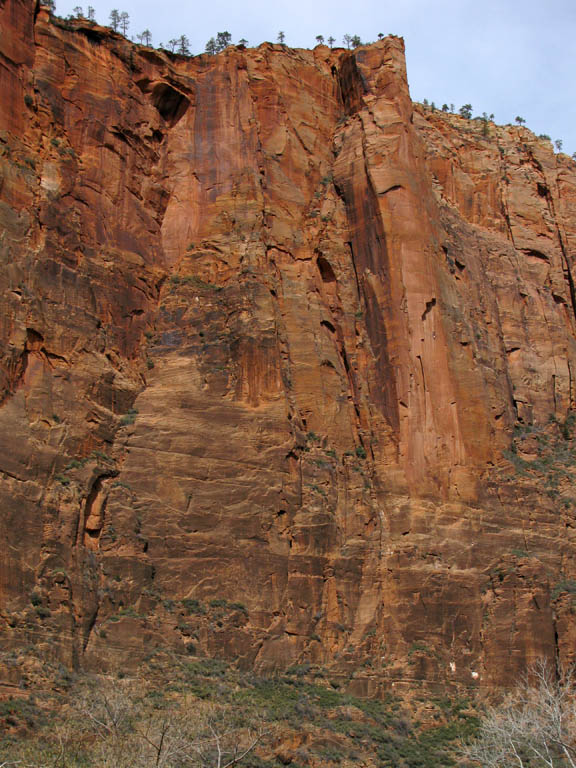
column 287, row 364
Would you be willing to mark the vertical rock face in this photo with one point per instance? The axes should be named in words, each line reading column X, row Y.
column 269, row 331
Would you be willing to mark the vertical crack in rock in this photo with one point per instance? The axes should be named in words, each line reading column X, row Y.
column 94, row 514
column 370, row 258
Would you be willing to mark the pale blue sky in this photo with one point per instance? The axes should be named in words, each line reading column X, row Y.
column 509, row 57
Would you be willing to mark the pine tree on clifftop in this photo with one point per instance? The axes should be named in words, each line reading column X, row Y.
column 183, row 46
column 223, row 40
column 114, row 19
column 124, row 22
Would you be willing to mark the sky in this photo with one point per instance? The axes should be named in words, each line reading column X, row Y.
column 507, row 57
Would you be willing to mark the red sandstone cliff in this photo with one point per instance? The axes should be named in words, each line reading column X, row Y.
column 267, row 329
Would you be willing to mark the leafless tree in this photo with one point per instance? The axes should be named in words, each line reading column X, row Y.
column 106, row 706
column 534, row 727
column 117, row 725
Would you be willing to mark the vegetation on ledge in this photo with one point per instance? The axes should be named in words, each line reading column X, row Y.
column 175, row 711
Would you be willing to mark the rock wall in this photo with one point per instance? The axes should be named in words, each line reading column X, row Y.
column 286, row 364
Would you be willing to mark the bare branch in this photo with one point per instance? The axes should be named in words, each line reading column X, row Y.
column 535, row 724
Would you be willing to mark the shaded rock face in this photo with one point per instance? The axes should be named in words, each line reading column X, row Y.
column 267, row 329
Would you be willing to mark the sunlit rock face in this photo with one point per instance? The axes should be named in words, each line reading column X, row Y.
column 267, row 330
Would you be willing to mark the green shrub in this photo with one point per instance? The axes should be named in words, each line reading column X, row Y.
column 520, row 552
column 193, row 606
column 74, row 464
column 100, row 456
column 129, row 417
column 300, row 670
column 566, row 585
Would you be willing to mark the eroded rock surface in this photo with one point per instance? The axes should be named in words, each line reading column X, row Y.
column 267, row 330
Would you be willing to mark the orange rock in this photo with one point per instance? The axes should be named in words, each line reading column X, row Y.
column 267, row 328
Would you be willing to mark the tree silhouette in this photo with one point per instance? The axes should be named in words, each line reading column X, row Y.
column 223, row 40
column 145, row 37
column 320, row 39
column 211, row 47
column 331, row 41
column 172, row 44
column 183, row 46
column 91, row 14
column 444, row 107
column 124, row 22
column 380, row 35
column 243, row 42
column 559, row 144
column 114, row 19
column 519, row 120
column 355, row 40
column 78, row 12
column 466, row 111
column 281, row 38
column 347, row 40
